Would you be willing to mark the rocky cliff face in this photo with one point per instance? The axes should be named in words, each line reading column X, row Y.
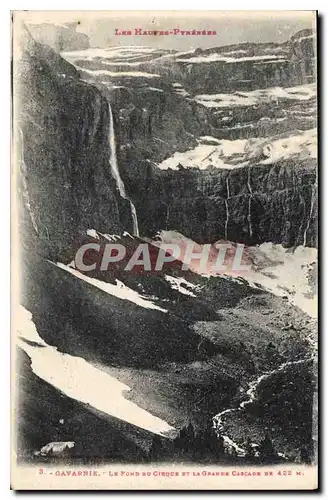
column 62, row 128
column 246, row 186
column 59, row 36
column 247, row 66
column 251, row 205
column 167, row 102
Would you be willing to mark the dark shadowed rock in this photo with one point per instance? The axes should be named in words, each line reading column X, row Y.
column 62, row 131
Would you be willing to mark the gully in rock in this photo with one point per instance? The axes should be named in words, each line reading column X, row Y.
column 24, row 181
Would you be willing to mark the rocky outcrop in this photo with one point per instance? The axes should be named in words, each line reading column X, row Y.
column 60, row 36
column 62, row 148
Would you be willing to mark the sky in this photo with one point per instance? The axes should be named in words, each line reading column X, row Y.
column 231, row 26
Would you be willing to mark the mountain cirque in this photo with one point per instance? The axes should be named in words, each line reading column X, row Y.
column 216, row 144
column 248, row 91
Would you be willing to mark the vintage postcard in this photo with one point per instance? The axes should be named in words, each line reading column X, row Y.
column 164, row 262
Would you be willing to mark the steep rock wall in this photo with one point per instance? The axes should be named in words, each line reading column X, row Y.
column 62, row 127
column 275, row 203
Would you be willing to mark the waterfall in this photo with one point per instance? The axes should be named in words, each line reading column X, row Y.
column 227, row 210
column 249, row 202
column 310, row 214
column 116, row 173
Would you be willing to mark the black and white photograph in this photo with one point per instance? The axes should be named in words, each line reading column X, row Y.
column 164, row 242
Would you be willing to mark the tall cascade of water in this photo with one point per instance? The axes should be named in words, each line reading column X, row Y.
column 313, row 189
column 227, row 210
column 116, row 173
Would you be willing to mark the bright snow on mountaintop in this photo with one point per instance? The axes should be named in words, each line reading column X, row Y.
column 78, row 379
column 136, row 55
column 133, row 54
column 255, row 97
column 98, row 72
column 241, row 152
column 124, row 52
column 119, row 56
column 222, row 58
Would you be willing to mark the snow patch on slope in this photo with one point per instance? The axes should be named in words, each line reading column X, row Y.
column 284, row 272
column 118, row 290
column 93, row 233
column 203, row 156
column 78, row 379
column 134, row 74
column 242, row 152
column 181, row 285
column 221, row 58
column 256, row 97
